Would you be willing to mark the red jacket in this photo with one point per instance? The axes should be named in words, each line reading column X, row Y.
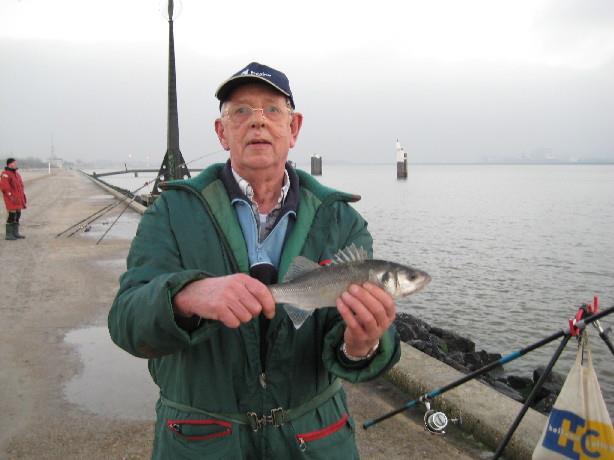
column 12, row 190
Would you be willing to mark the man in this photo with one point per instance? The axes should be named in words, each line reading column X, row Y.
column 14, row 198
column 237, row 379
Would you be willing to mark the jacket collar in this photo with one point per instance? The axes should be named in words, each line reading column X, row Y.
column 304, row 180
column 234, row 190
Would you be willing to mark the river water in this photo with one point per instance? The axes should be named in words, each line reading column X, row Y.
column 513, row 249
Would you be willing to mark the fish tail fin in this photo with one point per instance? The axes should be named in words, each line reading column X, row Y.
column 297, row 315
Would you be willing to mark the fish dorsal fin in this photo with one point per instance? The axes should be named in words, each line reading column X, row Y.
column 297, row 315
column 299, row 266
column 350, row 253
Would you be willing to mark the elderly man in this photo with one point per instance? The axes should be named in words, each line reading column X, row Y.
column 237, row 379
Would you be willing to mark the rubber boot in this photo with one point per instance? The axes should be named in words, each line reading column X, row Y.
column 10, row 233
column 16, row 232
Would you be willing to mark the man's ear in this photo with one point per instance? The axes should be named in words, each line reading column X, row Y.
column 295, row 127
column 219, row 130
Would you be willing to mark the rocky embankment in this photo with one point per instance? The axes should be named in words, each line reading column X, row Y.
column 460, row 353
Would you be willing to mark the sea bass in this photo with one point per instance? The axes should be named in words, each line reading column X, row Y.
column 308, row 286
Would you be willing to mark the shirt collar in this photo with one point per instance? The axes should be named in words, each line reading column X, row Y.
column 291, row 201
column 248, row 191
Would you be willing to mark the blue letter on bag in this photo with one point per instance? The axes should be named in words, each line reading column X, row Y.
column 587, row 452
column 568, row 434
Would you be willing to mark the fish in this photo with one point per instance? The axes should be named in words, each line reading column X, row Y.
column 308, row 286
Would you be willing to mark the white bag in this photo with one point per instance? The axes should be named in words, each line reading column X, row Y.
column 579, row 426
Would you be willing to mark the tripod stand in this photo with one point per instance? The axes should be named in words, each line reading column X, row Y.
column 576, row 326
column 585, row 315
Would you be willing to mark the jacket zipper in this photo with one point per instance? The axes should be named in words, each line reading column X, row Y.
column 304, row 438
column 231, row 257
column 175, row 427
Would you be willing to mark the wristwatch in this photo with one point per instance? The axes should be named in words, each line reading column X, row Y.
column 369, row 355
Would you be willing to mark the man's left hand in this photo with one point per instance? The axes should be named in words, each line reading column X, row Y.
column 368, row 311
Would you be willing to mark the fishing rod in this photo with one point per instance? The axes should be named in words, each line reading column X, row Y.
column 116, row 219
column 576, row 327
column 83, row 220
column 81, row 227
column 503, row 360
column 101, row 212
column 604, row 335
column 201, row 157
column 529, row 400
column 147, row 183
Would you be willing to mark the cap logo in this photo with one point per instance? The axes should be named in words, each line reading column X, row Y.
column 256, row 74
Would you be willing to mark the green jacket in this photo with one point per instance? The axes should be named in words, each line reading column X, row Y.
column 191, row 232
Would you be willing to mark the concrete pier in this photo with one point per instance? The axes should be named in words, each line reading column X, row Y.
column 54, row 286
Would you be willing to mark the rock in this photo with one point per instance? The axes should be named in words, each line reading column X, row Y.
column 459, row 353
column 553, row 383
column 455, row 364
column 454, row 341
column 427, row 347
column 408, row 331
column 501, row 387
column 545, row 404
column 474, row 360
column 519, row 383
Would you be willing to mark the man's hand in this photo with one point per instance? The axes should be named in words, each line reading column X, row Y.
column 368, row 311
column 232, row 299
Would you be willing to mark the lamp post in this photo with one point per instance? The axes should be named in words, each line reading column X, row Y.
column 173, row 166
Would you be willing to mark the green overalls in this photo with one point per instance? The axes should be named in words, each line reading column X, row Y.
column 216, row 401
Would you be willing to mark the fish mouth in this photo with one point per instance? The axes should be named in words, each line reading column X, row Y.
column 421, row 284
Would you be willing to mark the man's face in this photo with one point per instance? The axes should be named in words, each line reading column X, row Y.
column 256, row 142
column 12, row 164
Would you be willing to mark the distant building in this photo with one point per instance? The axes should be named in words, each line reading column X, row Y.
column 56, row 162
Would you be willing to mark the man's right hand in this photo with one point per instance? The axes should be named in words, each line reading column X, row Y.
column 232, row 299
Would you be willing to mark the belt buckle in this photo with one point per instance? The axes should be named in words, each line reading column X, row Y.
column 276, row 419
column 254, row 421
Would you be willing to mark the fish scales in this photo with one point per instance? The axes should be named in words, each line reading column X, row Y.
column 323, row 286
column 310, row 286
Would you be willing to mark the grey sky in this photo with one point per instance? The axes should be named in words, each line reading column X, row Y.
column 454, row 81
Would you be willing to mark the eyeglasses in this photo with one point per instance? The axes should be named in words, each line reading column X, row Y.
column 239, row 114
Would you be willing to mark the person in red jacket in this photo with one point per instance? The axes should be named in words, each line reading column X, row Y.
column 14, row 198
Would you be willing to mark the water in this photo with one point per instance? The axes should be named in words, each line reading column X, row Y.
column 513, row 249
column 112, row 382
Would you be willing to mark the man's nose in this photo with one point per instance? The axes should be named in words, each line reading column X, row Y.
column 258, row 117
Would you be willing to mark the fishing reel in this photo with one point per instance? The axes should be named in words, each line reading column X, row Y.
column 435, row 422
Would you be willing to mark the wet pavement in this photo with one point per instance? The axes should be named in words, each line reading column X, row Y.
column 111, row 383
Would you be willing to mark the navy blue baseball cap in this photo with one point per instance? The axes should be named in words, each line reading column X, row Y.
column 255, row 72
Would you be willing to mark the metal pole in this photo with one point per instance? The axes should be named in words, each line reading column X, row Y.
column 604, row 335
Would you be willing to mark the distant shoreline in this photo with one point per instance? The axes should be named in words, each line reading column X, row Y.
column 306, row 165
column 477, row 163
